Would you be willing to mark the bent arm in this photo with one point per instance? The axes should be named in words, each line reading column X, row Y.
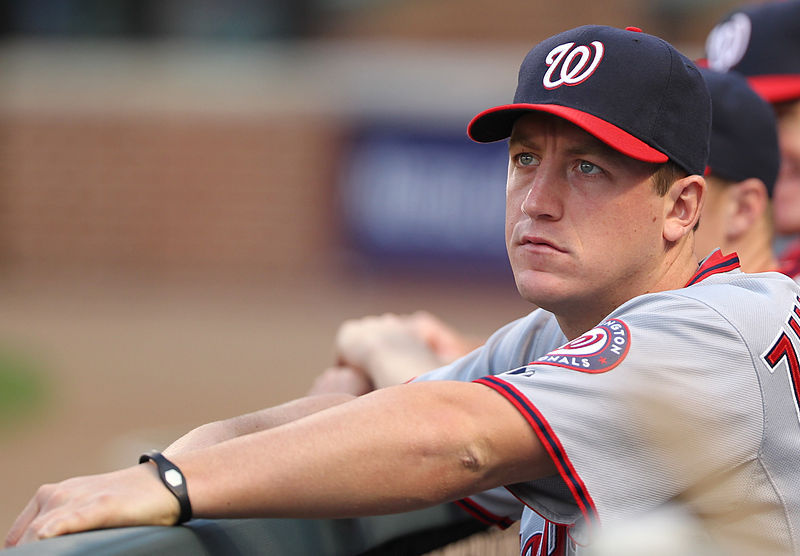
column 396, row 449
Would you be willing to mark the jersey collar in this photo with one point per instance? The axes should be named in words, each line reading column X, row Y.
column 715, row 263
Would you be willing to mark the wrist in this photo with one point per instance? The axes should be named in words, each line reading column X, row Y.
column 172, row 478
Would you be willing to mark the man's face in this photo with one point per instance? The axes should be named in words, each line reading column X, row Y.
column 583, row 222
column 786, row 205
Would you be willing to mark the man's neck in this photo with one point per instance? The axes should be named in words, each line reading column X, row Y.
column 674, row 273
column 755, row 250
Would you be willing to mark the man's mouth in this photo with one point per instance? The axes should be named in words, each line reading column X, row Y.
column 537, row 242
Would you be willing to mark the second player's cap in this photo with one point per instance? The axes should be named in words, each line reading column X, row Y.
column 633, row 91
column 762, row 42
column 744, row 137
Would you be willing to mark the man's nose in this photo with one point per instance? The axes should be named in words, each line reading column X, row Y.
column 543, row 198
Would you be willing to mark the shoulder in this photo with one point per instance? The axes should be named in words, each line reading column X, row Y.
column 730, row 295
column 731, row 313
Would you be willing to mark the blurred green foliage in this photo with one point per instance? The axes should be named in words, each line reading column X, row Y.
column 21, row 385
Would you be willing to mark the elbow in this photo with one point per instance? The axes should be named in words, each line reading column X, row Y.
column 471, row 458
column 472, row 461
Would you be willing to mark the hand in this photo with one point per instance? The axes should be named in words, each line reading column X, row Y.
column 446, row 342
column 392, row 349
column 344, row 380
column 132, row 496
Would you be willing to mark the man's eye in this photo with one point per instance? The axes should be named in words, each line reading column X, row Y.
column 526, row 159
column 588, row 168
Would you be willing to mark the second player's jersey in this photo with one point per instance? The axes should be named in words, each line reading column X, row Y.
column 688, row 394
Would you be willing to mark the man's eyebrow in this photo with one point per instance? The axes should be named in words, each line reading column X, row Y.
column 587, row 146
column 592, row 148
column 525, row 140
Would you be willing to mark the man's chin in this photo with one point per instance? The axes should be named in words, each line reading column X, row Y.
column 545, row 292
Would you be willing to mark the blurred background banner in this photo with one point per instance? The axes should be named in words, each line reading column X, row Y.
column 425, row 198
column 194, row 194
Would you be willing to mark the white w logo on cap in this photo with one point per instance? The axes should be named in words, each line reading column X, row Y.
column 727, row 42
column 574, row 64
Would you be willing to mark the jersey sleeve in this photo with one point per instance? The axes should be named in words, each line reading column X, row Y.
column 614, row 407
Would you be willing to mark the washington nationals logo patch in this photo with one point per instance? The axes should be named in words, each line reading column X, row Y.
column 574, row 65
column 599, row 350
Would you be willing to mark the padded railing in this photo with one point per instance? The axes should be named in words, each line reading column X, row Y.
column 407, row 533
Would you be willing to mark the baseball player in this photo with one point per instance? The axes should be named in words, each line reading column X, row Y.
column 677, row 381
column 741, row 172
column 762, row 42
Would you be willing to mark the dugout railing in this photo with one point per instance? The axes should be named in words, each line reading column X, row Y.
column 397, row 534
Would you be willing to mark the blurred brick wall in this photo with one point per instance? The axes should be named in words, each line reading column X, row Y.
column 161, row 196
column 144, row 194
column 682, row 22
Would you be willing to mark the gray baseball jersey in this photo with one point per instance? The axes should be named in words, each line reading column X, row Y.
column 688, row 395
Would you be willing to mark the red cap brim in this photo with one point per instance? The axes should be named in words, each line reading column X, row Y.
column 776, row 88
column 495, row 124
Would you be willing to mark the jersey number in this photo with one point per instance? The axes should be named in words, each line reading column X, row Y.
column 783, row 348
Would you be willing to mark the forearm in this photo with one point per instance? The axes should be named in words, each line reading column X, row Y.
column 220, row 431
column 393, row 450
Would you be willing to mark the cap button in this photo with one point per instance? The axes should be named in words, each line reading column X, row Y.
column 634, row 29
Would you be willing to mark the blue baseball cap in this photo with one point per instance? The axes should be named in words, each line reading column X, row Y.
column 744, row 137
column 762, row 42
column 633, row 91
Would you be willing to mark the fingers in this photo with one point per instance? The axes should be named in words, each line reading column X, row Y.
column 387, row 348
column 51, row 525
column 447, row 343
column 133, row 496
column 63, row 512
column 358, row 340
column 39, row 520
column 435, row 332
column 24, row 519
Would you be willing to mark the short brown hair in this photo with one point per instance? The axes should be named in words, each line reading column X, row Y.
column 665, row 175
column 785, row 108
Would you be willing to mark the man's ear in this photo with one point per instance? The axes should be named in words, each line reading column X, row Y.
column 683, row 203
column 748, row 201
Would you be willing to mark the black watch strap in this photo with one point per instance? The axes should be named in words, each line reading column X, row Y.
column 174, row 480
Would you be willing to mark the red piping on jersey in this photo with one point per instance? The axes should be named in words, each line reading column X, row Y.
column 550, row 442
column 562, row 532
column 716, row 263
column 482, row 514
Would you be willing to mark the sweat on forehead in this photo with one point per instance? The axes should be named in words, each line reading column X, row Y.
column 631, row 90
